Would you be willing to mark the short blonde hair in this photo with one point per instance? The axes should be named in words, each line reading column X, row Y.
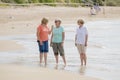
column 44, row 21
column 81, row 21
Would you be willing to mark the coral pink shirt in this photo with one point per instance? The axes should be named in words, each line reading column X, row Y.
column 43, row 32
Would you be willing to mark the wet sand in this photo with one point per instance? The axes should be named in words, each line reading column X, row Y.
column 18, row 72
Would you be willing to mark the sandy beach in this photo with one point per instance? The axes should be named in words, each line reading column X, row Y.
column 16, row 21
column 18, row 72
column 24, row 20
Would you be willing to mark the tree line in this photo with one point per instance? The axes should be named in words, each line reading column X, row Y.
column 100, row 2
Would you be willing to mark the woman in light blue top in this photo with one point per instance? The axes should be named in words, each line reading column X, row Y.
column 57, row 41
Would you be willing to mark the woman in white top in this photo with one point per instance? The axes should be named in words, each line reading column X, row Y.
column 81, row 40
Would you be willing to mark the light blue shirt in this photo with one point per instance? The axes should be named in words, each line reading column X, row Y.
column 57, row 34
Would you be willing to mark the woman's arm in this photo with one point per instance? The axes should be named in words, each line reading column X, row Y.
column 50, row 31
column 37, row 34
column 75, row 39
column 86, row 39
column 63, row 38
column 51, row 40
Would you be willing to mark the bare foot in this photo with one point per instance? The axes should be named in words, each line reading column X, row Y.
column 81, row 64
column 45, row 64
column 56, row 66
column 64, row 65
column 40, row 64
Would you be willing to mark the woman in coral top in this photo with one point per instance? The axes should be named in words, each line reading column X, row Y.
column 42, row 39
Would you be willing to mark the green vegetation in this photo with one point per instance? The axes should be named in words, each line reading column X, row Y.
column 91, row 2
column 19, row 1
column 113, row 2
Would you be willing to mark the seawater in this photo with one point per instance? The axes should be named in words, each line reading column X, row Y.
column 103, row 52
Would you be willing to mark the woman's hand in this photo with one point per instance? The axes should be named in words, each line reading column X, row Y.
column 41, row 43
column 52, row 27
column 50, row 31
column 75, row 44
column 85, row 44
column 51, row 44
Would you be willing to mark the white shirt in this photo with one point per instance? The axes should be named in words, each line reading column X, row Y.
column 81, row 33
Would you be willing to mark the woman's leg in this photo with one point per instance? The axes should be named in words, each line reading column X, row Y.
column 85, row 59
column 61, row 50
column 45, row 58
column 56, row 57
column 41, row 58
column 45, row 51
column 83, row 55
column 64, row 60
column 41, row 51
column 55, row 50
column 81, row 58
column 79, row 47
